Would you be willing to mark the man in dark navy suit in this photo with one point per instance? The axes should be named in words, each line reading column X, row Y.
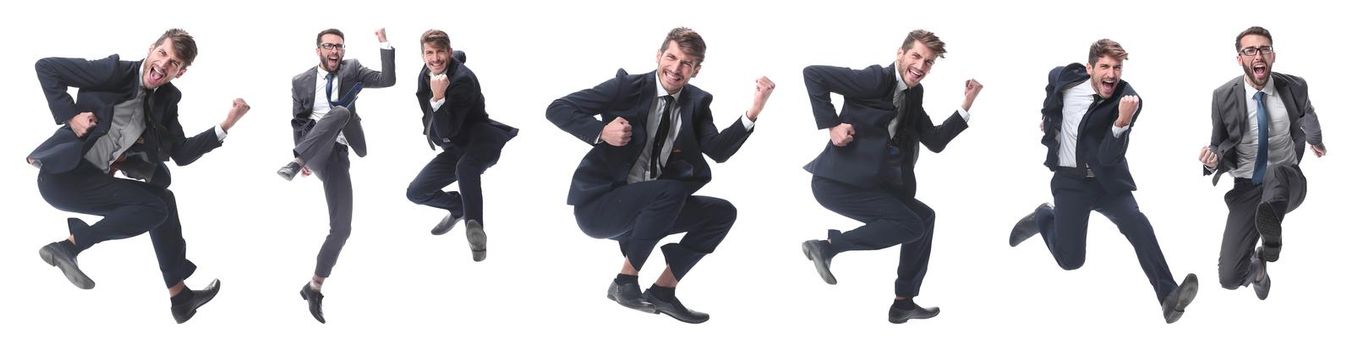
column 1087, row 117
column 636, row 185
column 867, row 170
column 125, row 117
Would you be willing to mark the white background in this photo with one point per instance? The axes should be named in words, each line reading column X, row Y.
column 543, row 285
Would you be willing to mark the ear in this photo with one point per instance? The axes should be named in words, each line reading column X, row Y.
column 695, row 72
column 181, row 71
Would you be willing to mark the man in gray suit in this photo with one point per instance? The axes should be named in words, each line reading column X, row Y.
column 325, row 123
column 1260, row 123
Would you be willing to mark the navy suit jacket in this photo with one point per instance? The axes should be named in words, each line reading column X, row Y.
column 607, row 167
column 868, row 95
column 1096, row 147
column 103, row 84
column 461, row 119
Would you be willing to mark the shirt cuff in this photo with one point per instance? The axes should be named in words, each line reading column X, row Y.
column 386, row 46
column 964, row 114
column 747, row 123
column 220, row 133
column 1117, row 131
column 436, row 105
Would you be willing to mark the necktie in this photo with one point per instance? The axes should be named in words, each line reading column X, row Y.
column 1261, row 159
column 659, row 138
column 329, row 88
column 900, row 102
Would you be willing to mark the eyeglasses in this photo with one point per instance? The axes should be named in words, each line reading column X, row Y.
column 1251, row 51
column 331, row 46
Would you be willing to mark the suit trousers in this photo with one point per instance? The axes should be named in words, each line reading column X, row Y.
column 1284, row 188
column 638, row 215
column 1064, row 227
column 128, row 208
column 315, row 147
column 456, row 163
column 890, row 218
column 338, row 194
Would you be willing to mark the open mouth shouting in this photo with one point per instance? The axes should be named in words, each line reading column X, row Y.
column 1259, row 72
column 1106, row 86
column 155, row 76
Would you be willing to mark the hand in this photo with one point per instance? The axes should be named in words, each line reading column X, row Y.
column 81, row 123
column 380, row 35
column 763, row 89
column 1042, row 121
column 305, row 171
column 617, row 132
column 1319, row 150
column 1208, row 158
column 970, row 90
column 1127, row 106
column 842, row 134
column 439, row 84
column 237, row 111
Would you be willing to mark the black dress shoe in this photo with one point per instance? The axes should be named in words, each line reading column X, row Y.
column 479, row 241
column 63, row 257
column 1026, row 227
column 675, row 309
column 448, row 222
column 1270, row 228
column 1179, row 298
column 901, row 315
column 315, row 299
column 184, row 310
column 1262, row 281
column 816, row 250
column 628, row 295
column 289, row 171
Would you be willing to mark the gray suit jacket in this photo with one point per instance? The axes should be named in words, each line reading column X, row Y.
column 1230, row 119
column 349, row 73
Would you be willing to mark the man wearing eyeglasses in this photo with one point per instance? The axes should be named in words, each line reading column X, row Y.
column 1260, row 122
column 324, row 124
column 125, row 117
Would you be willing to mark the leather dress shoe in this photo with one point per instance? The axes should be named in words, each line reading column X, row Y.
column 289, row 171
column 1026, row 227
column 816, row 250
column 186, row 309
column 1261, row 285
column 63, row 257
column 1179, row 298
column 479, row 241
column 1270, row 229
column 628, row 295
column 315, row 299
column 675, row 309
column 448, row 222
column 901, row 315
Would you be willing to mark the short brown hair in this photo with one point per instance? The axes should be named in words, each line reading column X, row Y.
column 1106, row 47
column 184, row 45
column 1255, row 30
column 319, row 38
column 927, row 38
column 436, row 38
column 688, row 40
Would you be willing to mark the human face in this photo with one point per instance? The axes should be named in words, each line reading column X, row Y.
column 1105, row 74
column 915, row 63
column 162, row 65
column 676, row 68
column 1259, row 66
column 331, row 57
column 436, row 58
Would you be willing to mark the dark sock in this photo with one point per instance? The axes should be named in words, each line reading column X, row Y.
column 65, row 243
column 663, row 293
column 621, row 278
column 904, row 304
column 183, row 296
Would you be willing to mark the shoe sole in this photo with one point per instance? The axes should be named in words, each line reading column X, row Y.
column 73, row 273
column 1187, row 291
column 822, row 270
column 905, row 319
column 1271, row 230
column 286, row 176
column 478, row 244
column 645, row 308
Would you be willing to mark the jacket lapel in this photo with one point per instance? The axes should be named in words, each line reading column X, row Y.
column 1289, row 103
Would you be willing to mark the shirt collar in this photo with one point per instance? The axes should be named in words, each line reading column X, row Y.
column 1269, row 90
column 898, row 75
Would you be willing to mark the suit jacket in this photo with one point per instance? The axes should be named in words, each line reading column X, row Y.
column 103, row 84
column 607, row 167
column 1230, row 119
column 1096, row 147
column 868, row 95
column 462, row 118
column 350, row 72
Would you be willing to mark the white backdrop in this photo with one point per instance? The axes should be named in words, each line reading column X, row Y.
column 396, row 286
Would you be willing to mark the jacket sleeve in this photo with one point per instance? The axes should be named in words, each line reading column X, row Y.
column 383, row 78
column 1114, row 149
column 718, row 145
column 187, row 150
column 56, row 75
column 1218, row 135
column 822, row 81
column 576, row 113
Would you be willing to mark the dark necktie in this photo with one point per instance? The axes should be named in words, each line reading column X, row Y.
column 1261, row 159
column 659, row 138
column 329, row 88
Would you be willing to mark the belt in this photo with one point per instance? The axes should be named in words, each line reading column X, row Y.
column 1077, row 172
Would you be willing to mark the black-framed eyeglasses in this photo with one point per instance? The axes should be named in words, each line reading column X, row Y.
column 1251, row 51
column 331, row 46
